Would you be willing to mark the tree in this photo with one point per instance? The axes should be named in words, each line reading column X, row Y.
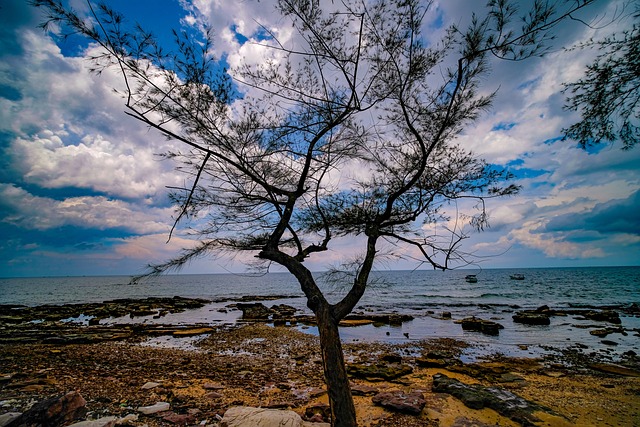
column 275, row 153
column 608, row 97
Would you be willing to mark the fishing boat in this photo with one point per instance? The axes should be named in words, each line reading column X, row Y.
column 471, row 278
column 517, row 276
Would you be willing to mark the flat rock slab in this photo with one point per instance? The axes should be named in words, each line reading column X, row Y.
column 245, row 416
column 154, row 409
column 409, row 403
column 503, row 401
column 382, row 371
column 615, row 369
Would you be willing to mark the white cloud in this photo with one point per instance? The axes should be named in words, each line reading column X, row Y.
column 41, row 213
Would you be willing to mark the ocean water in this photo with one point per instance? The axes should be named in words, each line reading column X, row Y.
column 423, row 294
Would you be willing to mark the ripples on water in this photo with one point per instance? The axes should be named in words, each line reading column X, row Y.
column 424, row 294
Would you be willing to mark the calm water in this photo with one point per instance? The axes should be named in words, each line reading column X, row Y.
column 424, row 294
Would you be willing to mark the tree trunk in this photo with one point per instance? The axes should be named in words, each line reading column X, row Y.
column 343, row 411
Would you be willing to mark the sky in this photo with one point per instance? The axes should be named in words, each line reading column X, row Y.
column 83, row 192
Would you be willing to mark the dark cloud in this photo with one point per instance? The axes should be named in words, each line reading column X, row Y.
column 615, row 216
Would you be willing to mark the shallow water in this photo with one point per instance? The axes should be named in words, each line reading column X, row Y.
column 423, row 294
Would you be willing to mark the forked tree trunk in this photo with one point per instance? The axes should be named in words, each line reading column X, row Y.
column 343, row 411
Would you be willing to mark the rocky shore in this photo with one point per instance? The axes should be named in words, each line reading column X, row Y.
column 64, row 373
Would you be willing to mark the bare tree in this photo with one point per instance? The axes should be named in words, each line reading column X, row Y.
column 276, row 169
column 608, row 96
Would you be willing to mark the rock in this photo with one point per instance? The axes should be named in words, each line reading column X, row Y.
column 54, row 411
column 149, row 385
column 476, row 396
column 363, row 390
column 131, row 418
column 609, row 342
column 212, row 386
column 379, row 371
column 391, row 358
column 191, row 332
column 446, row 315
column 6, row 419
column 282, row 310
column 100, row 422
column 531, row 318
column 479, row 325
column 320, row 412
column 180, row 419
column 606, row 331
column 254, row 311
column 603, row 316
column 345, row 323
column 426, row 362
column 153, row 409
column 397, row 400
column 245, row 416
column 615, row 369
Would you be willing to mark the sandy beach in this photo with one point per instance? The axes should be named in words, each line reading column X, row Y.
column 279, row 367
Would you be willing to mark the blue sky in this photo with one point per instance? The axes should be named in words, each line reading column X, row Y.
column 82, row 191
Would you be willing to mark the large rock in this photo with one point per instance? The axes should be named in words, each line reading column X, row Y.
column 254, row 311
column 532, row 318
column 604, row 316
column 487, row 327
column 53, row 412
column 244, row 416
column 380, row 371
column 397, row 400
column 476, row 396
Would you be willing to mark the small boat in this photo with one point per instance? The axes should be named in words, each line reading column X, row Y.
column 471, row 278
column 517, row 276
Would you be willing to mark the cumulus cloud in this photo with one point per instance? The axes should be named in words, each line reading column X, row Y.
column 121, row 169
column 30, row 212
column 74, row 161
column 614, row 216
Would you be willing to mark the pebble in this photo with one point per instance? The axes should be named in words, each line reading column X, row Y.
column 149, row 385
column 153, row 409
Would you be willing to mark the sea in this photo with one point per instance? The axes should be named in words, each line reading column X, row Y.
column 424, row 294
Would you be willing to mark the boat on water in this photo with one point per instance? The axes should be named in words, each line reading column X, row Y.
column 517, row 276
column 471, row 278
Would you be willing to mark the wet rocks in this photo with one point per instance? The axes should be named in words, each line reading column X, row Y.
column 532, row 318
column 487, row 327
column 380, row 371
column 96, row 311
column 254, row 311
column 603, row 316
column 397, row 400
column 606, row 331
column 615, row 369
column 476, row 396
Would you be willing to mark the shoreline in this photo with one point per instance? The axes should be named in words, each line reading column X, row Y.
column 606, row 332
column 259, row 365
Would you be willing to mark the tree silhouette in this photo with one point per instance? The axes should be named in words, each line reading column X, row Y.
column 349, row 132
column 608, row 96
